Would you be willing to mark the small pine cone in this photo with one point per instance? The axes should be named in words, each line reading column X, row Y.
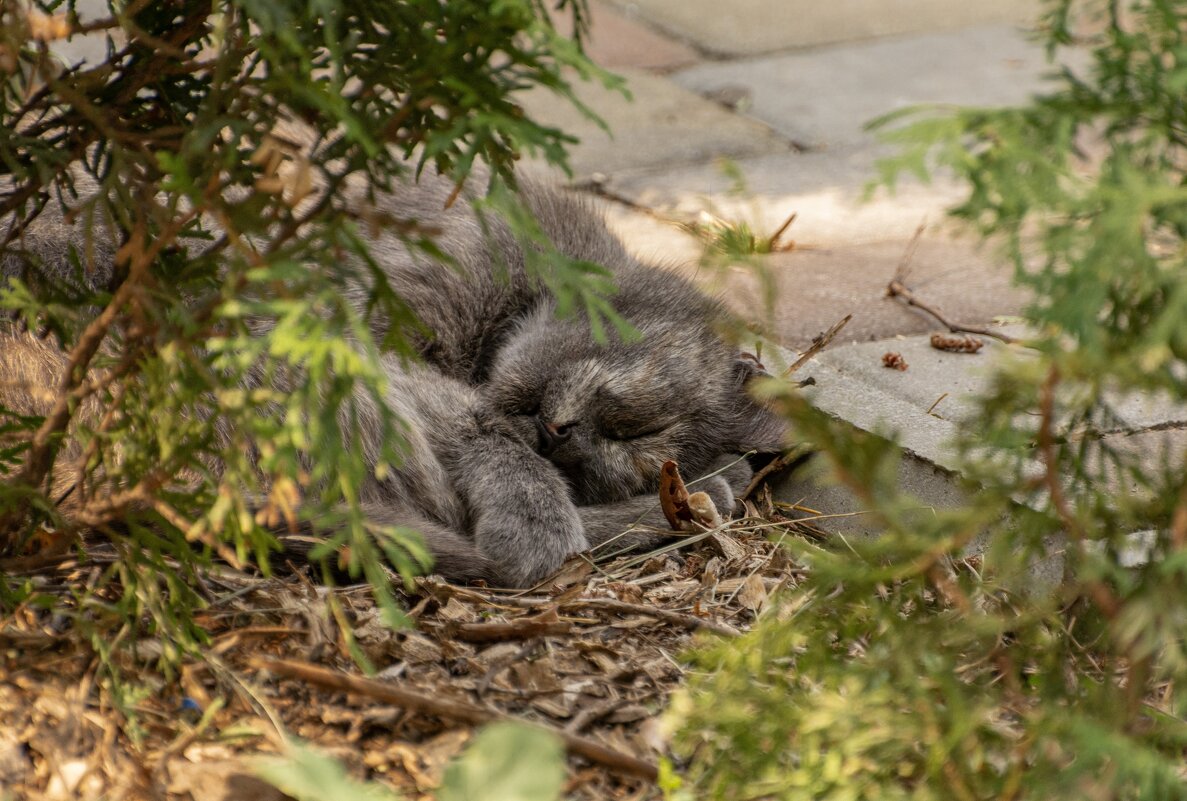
column 956, row 343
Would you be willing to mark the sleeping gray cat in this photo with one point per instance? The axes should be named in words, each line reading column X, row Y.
column 529, row 442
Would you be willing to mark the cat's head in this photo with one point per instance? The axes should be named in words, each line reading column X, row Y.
column 609, row 415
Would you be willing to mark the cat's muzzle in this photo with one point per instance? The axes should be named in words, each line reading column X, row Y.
column 551, row 436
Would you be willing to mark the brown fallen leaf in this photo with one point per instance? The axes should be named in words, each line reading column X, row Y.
column 216, row 780
column 626, row 592
column 455, row 611
column 673, row 497
column 47, row 27
column 894, row 360
column 425, row 762
column 570, row 579
column 753, row 594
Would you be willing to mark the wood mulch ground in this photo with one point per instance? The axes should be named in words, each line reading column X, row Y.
column 595, row 655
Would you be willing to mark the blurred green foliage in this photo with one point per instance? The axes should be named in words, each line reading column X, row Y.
column 905, row 667
column 504, row 762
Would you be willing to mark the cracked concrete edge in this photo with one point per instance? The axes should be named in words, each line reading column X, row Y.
column 928, row 470
column 868, row 408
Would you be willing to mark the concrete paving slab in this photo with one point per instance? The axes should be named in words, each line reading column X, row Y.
column 748, row 27
column 816, row 288
column 664, row 125
column 826, row 190
column 940, row 385
column 823, row 98
column 961, row 378
column 835, row 268
column 852, row 386
column 653, row 241
column 619, row 39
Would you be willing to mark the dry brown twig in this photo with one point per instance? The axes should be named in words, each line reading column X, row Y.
column 791, row 459
column 597, row 186
column 775, row 247
column 819, row 343
column 450, row 709
column 897, row 288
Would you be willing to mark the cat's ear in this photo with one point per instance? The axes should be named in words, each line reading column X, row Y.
column 756, row 428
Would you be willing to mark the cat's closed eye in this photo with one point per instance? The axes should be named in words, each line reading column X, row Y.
column 634, row 435
column 627, row 431
column 527, row 409
column 518, row 403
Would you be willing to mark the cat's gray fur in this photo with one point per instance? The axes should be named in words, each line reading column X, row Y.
column 529, row 441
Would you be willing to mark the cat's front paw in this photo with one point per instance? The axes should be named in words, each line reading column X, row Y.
column 720, row 492
column 725, row 487
column 529, row 545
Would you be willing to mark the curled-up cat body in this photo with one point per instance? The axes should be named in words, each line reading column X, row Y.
column 528, row 441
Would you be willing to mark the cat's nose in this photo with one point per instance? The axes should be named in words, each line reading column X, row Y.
column 552, row 435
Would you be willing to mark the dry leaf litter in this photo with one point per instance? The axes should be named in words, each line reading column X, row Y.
column 594, row 654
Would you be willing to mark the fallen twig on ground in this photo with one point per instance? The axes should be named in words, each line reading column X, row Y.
column 897, row 288
column 597, row 186
column 453, row 710
column 819, row 343
column 784, row 461
column 522, row 629
column 592, row 654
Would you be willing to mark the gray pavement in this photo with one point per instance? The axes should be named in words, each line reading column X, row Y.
column 925, row 407
column 659, row 125
column 817, row 287
column 792, row 131
column 822, row 98
column 743, row 28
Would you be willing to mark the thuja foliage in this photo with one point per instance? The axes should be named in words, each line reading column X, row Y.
column 902, row 668
column 204, row 158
